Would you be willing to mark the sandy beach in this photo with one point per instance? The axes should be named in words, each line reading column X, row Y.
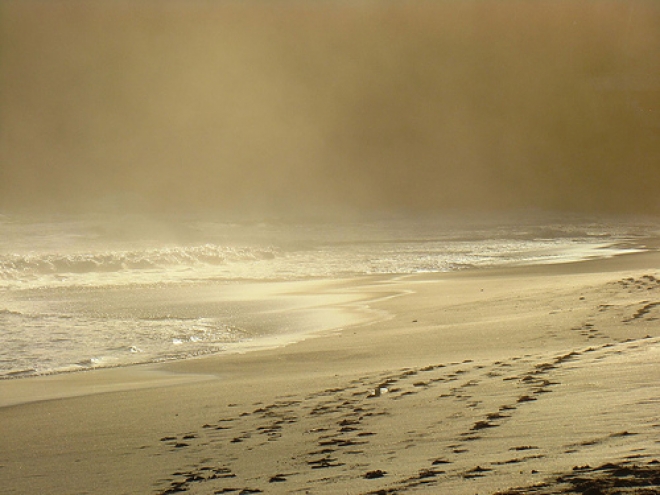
column 539, row 379
column 329, row 247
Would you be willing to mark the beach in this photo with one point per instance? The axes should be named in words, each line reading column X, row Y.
column 363, row 248
column 501, row 380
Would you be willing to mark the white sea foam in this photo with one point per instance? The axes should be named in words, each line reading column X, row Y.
column 44, row 343
column 116, row 267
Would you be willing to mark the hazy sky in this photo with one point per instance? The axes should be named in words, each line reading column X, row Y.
column 303, row 107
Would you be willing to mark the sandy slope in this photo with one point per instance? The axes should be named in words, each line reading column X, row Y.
column 465, row 383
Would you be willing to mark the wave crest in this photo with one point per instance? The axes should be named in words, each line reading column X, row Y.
column 18, row 267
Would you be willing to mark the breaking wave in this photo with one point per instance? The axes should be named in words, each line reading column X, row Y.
column 30, row 266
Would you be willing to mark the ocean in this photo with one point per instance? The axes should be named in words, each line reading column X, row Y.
column 80, row 292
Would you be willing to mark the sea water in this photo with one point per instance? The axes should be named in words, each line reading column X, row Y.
column 87, row 291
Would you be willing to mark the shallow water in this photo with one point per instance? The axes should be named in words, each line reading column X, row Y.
column 95, row 291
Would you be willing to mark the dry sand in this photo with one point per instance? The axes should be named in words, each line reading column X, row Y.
column 527, row 380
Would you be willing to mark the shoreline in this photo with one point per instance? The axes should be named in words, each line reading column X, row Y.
column 359, row 307
column 271, row 313
column 521, row 372
column 269, row 290
column 337, row 303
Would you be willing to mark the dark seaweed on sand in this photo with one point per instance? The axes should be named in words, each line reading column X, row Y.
column 608, row 479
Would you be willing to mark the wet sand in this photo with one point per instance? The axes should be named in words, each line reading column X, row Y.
column 527, row 380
